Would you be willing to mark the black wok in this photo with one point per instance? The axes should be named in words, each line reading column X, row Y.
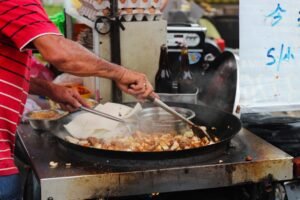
column 225, row 127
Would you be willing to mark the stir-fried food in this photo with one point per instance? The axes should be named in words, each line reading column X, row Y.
column 145, row 142
column 45, row 114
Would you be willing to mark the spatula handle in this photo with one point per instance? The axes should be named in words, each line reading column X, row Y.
column 170, row 110
column 102, row 114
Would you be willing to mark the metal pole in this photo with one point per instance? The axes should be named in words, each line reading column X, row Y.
column 115, row 47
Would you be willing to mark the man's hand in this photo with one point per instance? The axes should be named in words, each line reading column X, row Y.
column 68, row 98
column 136, row 84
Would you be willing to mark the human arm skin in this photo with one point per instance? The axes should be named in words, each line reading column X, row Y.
column 71, row 57
column 68, row 98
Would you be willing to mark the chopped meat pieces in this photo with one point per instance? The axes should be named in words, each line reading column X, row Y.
column 147, row 142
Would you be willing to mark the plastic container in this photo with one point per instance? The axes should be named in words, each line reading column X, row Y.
column 92, row 103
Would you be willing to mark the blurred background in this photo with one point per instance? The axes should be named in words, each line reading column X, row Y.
column 219, row 16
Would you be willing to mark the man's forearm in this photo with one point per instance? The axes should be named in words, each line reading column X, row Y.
column 71, row 57
column 40, row 87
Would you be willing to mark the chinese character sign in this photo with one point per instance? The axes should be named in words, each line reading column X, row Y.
column 269, row 55
column 276, row 15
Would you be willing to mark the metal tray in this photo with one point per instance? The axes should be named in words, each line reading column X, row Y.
column 45, row 124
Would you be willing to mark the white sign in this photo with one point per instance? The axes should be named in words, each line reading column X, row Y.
column 269, row 55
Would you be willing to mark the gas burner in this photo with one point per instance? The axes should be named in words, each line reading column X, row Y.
column 94, row 178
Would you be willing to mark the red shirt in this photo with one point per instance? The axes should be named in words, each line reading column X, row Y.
column 21, row 21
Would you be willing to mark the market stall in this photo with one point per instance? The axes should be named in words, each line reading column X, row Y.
column 72, row 170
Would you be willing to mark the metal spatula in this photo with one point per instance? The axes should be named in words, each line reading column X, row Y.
column 102, row 114
column 196, row 129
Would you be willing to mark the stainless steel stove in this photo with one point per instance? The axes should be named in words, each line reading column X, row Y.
column 94, row 177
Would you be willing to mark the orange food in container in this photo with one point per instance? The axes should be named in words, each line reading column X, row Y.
column 83, row 91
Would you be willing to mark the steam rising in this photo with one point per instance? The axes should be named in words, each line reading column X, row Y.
column 90, row 125
column 148, row 120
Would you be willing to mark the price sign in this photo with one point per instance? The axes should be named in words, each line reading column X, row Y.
column 269, row 55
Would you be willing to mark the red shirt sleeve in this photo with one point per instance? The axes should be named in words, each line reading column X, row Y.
column 24, row 20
